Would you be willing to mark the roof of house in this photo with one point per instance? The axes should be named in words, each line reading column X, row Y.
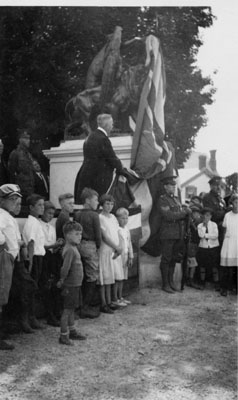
column 188, row 175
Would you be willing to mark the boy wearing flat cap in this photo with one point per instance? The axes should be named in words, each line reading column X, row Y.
column 171, row 232
column 10, row 239
column 20, row 165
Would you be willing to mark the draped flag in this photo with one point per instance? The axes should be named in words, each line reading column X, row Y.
column 152, row 158
column 150, row 153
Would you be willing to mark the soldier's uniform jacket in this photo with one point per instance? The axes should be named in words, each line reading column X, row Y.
column 217, row 204
column 21, row 172
column 172, row 217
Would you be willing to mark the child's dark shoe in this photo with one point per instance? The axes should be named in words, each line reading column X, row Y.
column 106, row 310
column 64, row 339
column 74, row 335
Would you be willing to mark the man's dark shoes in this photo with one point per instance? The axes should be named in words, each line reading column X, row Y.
column 167, row 289
column 5, row 346
column 106, row 310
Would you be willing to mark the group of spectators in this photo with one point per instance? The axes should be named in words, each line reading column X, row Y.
column 49, row 262
column 93, row 250
column 206, row 230
column 213, row 242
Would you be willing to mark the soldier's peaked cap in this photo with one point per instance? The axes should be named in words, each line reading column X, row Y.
column 214, row 180
column 23, row 133
column 171, row 180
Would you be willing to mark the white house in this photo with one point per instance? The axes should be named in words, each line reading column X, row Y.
column 196, row 173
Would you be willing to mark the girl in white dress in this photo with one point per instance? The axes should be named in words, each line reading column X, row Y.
column 110, row 263
column 229, row 251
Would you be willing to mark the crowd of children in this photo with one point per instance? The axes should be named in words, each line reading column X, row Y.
column 64, row 264
column 51, row 262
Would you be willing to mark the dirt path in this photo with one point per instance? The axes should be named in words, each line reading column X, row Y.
column 161, row 347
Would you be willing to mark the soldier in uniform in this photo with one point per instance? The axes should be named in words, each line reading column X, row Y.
column 215, row 202
column 20, row 165
column 171, row 232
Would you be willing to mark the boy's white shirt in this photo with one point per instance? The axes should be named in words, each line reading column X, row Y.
column 49, row 233
column 210, row 239
column 9, row 232
column 33, row 231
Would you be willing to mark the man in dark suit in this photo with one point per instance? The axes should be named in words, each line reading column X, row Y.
column 41, row 181
column 100, row 160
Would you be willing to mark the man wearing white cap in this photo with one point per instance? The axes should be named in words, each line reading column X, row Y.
column 9, row 246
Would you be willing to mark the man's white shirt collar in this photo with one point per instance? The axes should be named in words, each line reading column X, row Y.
column 103, row 130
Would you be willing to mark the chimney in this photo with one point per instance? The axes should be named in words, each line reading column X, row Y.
column 212, row 161
column 202, row 161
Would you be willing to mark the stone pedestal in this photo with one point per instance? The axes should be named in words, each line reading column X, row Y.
column 66, row 160
column 150, row 275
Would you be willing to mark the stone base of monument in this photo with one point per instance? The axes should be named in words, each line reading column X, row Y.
column 149, row 271
column 65, row 162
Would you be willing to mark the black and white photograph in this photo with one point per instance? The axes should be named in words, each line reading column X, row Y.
column 118, row 200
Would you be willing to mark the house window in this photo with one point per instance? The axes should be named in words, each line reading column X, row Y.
column 191, row 191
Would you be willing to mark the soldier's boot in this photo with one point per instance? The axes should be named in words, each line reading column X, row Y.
column 171, row 280
column 25, row 325
column 165, row 282
column 87, row 311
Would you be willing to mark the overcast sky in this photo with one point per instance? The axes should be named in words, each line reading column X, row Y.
column 220, row 52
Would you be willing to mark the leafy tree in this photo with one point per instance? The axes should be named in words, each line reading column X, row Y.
column 46, row 51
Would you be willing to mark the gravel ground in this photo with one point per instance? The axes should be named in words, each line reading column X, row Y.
column 175, row 347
